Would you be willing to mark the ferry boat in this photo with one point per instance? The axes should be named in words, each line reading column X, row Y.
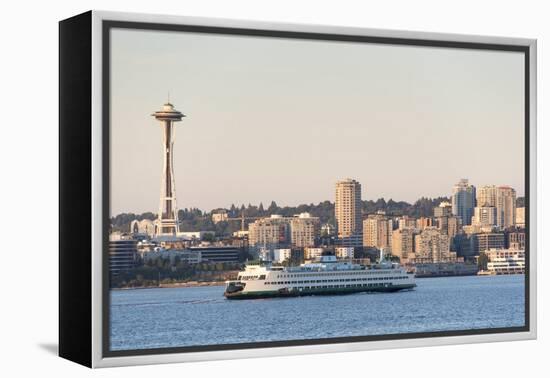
column 329, row 276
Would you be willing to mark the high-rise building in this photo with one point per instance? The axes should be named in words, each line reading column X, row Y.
column 348, row 210
column 487, row 196
column 423, row 222
column 463, row 201
column 503, row 198
column 269, row 232
column 403, row 242
column 520, row 217
column 377, row 231
column 432, row 246
column 448, row 225
column 485, row 216
column 168, row 223
column 445, row 209
column 304, row 230
column 406, row 222
column 506, row 207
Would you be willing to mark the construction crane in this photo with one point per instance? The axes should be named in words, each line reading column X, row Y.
column 242, row 218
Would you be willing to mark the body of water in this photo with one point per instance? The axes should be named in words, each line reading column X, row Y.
column 161, row 318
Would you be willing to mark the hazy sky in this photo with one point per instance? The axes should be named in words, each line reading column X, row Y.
column 283, row 119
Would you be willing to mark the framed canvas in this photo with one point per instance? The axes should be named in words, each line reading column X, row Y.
column 330, row 189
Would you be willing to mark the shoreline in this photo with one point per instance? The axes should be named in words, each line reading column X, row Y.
column 173, row 285
column 222, row 283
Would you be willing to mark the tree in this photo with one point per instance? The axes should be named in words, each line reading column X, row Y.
column 272, row 209
column 208, row 237
column 482, row 261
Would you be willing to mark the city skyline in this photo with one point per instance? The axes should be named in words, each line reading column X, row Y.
column 265, row 118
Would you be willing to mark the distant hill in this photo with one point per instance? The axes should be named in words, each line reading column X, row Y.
column 194, row 219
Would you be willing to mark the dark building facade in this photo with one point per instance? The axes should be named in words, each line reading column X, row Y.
column 218, row 253
column 122, row 255
column 490, row 240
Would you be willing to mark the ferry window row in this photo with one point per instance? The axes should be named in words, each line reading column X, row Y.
column 346, row 273
column 343, row 286
column 346, row 280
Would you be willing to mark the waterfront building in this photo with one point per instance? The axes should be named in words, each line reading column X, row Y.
column 463, row 201
column 270, row 232
column 143, row 227
column 185, row 255
column 506, row 261
column 432, row 246
column 403, row 243
column 281, row 255
column 377, row 231
column 304, row 230
column 168, row 223
column 515, row 240
column 453, row 268
column 485, row 216
column 484, row 241
column 344, row 252
column 218, row 254
column 313, row 253
column 219, row 215
column 464, row 244
column 520, row 217
column 445, row 209
column 347, row 210
column 122, row 253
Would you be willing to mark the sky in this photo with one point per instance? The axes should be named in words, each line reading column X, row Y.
column 284, row 119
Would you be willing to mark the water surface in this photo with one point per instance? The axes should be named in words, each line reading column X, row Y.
column 160, row 318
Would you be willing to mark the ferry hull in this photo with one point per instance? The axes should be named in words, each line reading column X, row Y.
column 320, row 291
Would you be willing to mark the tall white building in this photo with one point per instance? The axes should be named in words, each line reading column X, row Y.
column 348, row 209
column 305, row 230
column 377, row 232
column 506, row 206
column 403, row 242
column 432, row 245
column 273, row 231
column 503, row 198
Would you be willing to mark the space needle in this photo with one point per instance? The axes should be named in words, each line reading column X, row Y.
column 167, row 222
